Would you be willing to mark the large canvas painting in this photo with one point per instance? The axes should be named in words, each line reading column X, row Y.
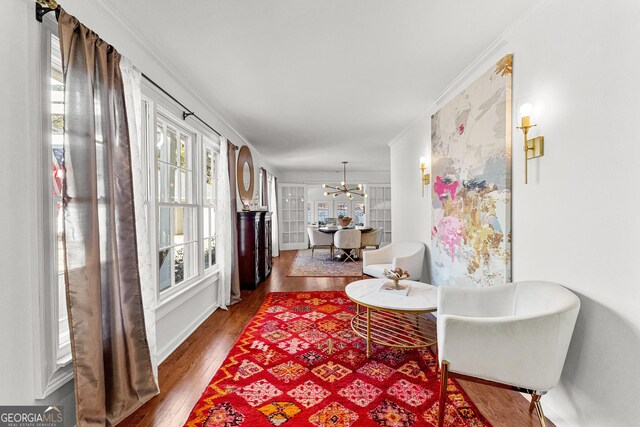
column 471, row 197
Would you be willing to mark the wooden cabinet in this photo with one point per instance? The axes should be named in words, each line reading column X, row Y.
column 254, row 247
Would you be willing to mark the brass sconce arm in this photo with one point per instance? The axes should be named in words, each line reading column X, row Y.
column 533, row 147
column 426, row 177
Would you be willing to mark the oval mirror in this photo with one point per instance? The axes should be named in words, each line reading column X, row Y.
column 245, row 175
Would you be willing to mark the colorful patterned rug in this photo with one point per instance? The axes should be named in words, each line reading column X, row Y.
column 321, row 265
column 298, row 363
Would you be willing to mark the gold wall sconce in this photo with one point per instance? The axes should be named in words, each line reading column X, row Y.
column 534, row 147
column 426, row 176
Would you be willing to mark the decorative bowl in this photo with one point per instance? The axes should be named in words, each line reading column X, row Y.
column 395, row 276
column 344, row 221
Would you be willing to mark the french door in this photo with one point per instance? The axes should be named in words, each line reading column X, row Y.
column 294, row 216
column 380, row 209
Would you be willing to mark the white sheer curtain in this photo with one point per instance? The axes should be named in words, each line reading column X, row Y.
column 131, row 78
column 224, row 244
column 273, row 207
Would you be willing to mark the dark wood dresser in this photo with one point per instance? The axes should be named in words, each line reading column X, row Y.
column 254, row 247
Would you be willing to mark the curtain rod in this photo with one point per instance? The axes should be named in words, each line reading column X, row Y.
column 185, row 114
column 45, row 6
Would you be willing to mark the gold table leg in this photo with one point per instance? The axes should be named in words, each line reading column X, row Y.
column 368, row 332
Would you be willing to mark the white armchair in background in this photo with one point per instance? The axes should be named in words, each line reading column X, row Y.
column 347, row 241
column 407, row 255
column 372, row 238
column 318, row 239
column 513, row 336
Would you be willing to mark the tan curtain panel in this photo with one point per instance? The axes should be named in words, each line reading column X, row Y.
column 112, row 366
column 233, row 191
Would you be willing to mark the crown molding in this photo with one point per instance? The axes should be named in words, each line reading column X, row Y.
column 481, row 60
column 123, row 23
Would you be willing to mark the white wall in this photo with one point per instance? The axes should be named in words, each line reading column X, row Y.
column 20, row 250
column 577, row 221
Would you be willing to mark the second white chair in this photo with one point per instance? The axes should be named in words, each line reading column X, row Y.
column 406, row 255
column 347, row 241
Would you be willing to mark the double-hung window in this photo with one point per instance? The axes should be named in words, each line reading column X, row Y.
column 177, row 203
column 183, row 182
column 209, row 157
column 54, row 355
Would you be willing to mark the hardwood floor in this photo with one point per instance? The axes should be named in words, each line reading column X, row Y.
column 184, row 375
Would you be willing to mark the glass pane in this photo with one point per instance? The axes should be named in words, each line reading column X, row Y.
column 184, row 225
column 206, row 219
column 185, row 150
column 173, row 146
column 208, row 177
column 212, row 243
column 178, row 264
column 160, row 152
column 164, row 271
column 164, row 226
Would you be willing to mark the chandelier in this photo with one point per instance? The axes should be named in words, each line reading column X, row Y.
column 343, row 188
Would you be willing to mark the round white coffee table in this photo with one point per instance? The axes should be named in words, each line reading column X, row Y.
column 390, row 319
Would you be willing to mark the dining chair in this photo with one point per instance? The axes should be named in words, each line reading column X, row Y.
column 347, row 241
column 372, row 238
column 514, row 336
column 318, row 239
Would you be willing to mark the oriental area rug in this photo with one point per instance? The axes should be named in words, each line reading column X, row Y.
column 298, row 363
column 321, row 265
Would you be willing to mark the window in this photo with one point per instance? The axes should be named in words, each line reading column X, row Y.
column 342, row 209
column 358, row 212
column 56, row 150
column 183, row 191
column 209, row 208
column 52, row 360
column 322, row 212
column 177, row 206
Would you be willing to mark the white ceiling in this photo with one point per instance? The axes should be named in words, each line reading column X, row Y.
column 313, row 82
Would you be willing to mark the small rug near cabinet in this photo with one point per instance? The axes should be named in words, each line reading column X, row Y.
column 298, row 363
column 321, row 265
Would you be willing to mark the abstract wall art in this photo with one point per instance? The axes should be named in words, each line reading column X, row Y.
column 471, row 197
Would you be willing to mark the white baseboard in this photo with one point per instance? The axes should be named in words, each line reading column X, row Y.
column 166, row 351
column 551, row 412
column 556, row 417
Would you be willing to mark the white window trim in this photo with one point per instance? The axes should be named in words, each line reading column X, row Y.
column 157, row 102
column 50, row 373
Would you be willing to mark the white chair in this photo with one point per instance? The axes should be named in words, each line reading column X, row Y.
column 372, row 238
column 513, row 336
column 406, row 255
column 318, row 239
column 347, row 241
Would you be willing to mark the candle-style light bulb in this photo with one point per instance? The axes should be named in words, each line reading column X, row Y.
column 526, row 110
column 423, row 162
column 342, row 183
column 326, row 193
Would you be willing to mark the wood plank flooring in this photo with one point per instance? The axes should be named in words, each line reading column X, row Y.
column 184, row 375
